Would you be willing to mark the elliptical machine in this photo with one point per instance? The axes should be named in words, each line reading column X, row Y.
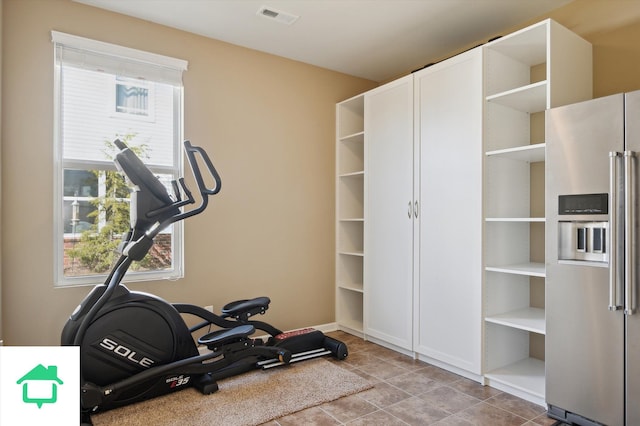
column 136, row 346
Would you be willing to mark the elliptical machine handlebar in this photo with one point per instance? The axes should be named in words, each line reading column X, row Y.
column 191, row 150
column 152, row 208
column 205, row 191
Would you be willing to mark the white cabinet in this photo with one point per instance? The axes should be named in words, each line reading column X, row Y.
column 440, row 206
column 389, row 213
column 423, row 213
column 448, row 286
column 411, row 235
column 350, row 213
column 539, row 67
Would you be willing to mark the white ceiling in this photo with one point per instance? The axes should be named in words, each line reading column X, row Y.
column 373, row 39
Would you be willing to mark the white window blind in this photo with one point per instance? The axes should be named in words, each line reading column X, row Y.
column 99, row 56
column 98, row 65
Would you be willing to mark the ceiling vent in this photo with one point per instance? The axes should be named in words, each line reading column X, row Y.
column 277, row 15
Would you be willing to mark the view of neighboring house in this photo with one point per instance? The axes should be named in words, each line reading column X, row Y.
column 97, row 108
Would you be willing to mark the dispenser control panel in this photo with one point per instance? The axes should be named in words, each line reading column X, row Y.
column 583, row 204
column 583, row 240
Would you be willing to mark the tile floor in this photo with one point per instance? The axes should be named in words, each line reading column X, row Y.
column 409, row 392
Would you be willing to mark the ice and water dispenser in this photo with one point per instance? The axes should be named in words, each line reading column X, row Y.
column 580, row 239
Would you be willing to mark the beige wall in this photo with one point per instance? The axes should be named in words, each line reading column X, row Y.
column 267, row 123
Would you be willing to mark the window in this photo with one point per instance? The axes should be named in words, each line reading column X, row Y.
column 104, row 92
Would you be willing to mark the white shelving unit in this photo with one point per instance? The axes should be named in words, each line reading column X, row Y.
column 530, row 319
column 527, row 72
column 524, row 74
column 528, row 153
column 530, row 269
column 530, row 98
column 350, row 214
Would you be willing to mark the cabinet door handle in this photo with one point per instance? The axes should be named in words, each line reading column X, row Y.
column 409, row 210
column 415, row 209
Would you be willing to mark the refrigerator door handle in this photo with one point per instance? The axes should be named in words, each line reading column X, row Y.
column 614, row 264
column 630, row 234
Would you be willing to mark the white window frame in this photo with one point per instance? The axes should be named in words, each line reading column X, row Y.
column 160, row 68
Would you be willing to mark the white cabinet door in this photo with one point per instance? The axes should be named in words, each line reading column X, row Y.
column 448, row 292
column 388, row 217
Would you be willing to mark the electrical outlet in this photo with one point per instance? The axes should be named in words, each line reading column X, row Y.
column 209, row 308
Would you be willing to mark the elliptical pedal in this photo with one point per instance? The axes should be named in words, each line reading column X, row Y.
column 316, row 353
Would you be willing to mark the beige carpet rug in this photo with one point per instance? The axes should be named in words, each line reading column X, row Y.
column 249, row 399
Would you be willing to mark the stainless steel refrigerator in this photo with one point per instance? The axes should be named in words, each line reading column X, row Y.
column 592, row 345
